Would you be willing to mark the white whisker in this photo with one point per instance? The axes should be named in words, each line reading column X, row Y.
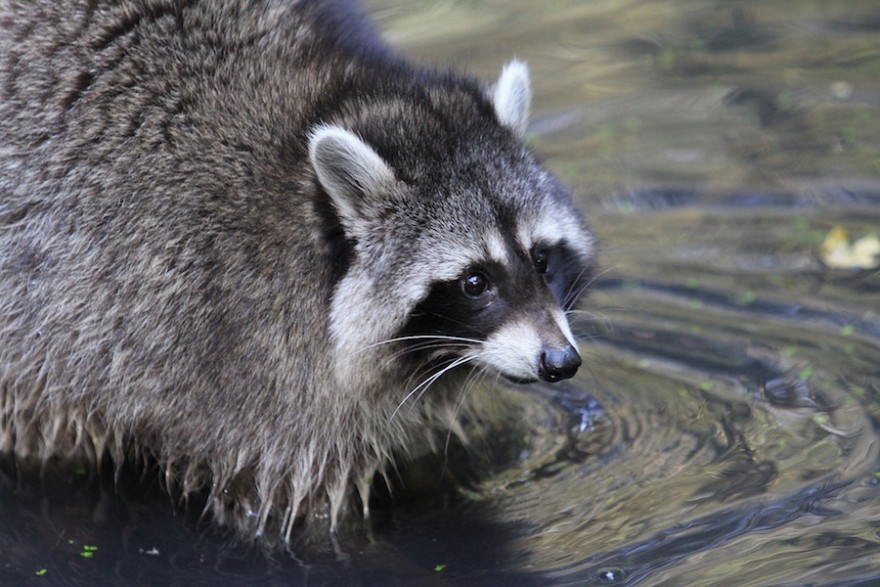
column 572, row 295
column 467, row 386
column 424, row 385
column 418, row 337
column 427, row 341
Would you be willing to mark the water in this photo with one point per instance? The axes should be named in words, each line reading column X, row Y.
column 725, row 428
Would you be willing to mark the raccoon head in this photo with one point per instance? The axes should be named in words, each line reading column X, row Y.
column 473, row 261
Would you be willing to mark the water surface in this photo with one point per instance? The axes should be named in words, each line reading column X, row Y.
column 724, row 430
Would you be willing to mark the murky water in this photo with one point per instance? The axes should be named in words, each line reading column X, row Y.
column 725, row 430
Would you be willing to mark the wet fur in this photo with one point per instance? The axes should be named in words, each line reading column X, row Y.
column 169, row 260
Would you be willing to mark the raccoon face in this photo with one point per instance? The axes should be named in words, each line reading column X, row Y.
column 506, row 313
column 477, row 268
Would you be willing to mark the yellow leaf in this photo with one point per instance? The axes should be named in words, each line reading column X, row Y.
column 837, row 252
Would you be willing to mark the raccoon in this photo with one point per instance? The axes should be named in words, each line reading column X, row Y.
column 246, row 241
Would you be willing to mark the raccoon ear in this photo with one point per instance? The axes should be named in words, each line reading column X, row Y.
column 350, row 171
column 512, row 97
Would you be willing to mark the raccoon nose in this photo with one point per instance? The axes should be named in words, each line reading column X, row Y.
column 557, row 364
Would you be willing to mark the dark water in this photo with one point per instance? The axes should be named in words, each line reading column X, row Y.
column 725, row 428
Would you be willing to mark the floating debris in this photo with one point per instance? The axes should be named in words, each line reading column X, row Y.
column 837, row 252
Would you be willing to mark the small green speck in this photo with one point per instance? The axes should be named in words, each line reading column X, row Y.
column 692, row 283
column 820, row 419
column 41, row 572
column 555, row 467
column 876, row 474
column 696, row 304
column 847, row 330
column 806, row 372
column 785, row 102
column 88, row 551
column 71, row 541
column 696, row 330
column 439, row 568
column 790, row 351
column 706, row 386
column 471, row 494
column 747, row 297
column 666, row 58
column 80, row 471
column 858, row 391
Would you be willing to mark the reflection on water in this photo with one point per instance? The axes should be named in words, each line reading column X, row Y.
column 725, row 430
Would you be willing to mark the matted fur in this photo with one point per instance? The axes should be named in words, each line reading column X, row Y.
column 177, row 281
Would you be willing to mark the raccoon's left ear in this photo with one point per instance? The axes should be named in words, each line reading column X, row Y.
column 512, row 97
column 355, row 177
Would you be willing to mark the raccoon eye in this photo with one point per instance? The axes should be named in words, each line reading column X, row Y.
column 540, row 260
column 475, row 284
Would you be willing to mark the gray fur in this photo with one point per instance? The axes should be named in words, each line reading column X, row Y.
column 214, row 215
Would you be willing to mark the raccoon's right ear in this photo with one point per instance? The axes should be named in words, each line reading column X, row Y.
column 351, row 172
column 512, row 97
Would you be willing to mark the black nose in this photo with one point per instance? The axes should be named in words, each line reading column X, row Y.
column 557, row 364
